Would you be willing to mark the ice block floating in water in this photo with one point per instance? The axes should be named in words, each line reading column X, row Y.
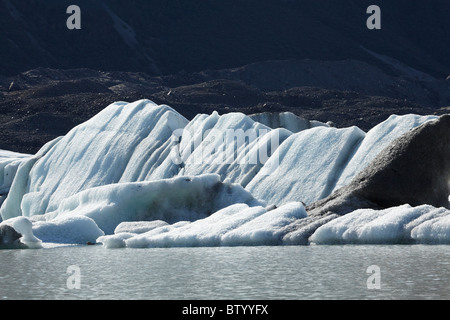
column 119, row 167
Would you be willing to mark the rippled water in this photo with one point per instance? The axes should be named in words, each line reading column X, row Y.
column 291, row 272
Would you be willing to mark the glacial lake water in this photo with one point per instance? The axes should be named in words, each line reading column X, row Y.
column 269, row 273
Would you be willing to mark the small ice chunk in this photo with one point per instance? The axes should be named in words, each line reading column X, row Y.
column 24, row 226
column 266, row 229
column 74, row 229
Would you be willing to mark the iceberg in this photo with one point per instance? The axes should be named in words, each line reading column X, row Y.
column 232, row 145
column 207, row 231
column 171, row 200
column 235, row 225
column 266, row 229
column 9, row 163
column 316, row 162
column 71, row 229
column 414, row 169
column 11, row 206
column 395, row 225
column 310, row 162
column 23, row 226
column 99, row 152
column 141, row 175
column 5, row 154
column 435, row 228
column 378, row 138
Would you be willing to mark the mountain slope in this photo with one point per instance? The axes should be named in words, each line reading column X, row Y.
column 161, row 37
column 41, row 104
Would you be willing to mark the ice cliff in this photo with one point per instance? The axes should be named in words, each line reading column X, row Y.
column 141, row 175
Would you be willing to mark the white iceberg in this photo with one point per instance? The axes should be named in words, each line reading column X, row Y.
column 310, row 163
column 402, row 224
column 435, row 229
column 140, row 240
column 71, row 229
column 170, row 200
column 99, row 152
column 235, row 225
column 204, row 232
column 134, row 163
column 9, row 163
column 266, row 229
column 24, row 226
column 232, row 145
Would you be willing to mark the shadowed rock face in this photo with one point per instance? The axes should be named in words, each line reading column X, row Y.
column 413, row 169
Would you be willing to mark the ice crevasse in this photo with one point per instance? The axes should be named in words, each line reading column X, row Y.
column 141, row 175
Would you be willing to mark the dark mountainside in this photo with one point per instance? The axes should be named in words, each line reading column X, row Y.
column 165, row 37
column 316, row 59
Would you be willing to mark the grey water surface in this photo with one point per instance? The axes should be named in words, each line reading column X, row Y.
column 273, row 273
